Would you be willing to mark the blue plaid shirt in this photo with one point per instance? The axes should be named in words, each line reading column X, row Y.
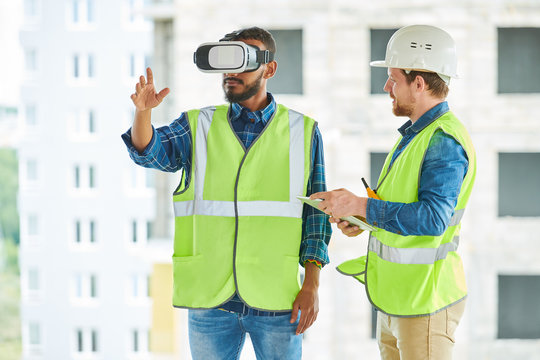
column 172, row 152
column 443, row 170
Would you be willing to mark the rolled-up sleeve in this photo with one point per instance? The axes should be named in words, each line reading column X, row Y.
column 316, row 228
column 169, row 149
column 443, row 170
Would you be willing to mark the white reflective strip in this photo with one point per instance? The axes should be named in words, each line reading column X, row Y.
column 245, row 208
column 456, row 218
column 414, row 255
column 296, row 155
column 293, row 208
column 199, row 166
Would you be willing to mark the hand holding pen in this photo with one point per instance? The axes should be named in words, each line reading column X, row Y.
column 371, row 193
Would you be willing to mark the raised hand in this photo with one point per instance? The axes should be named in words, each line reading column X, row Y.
column 145, row 96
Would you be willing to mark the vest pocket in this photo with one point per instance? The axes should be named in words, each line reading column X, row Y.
column 355, row 268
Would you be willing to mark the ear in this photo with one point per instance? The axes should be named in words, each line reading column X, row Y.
column 270, row 70
column 420, row 84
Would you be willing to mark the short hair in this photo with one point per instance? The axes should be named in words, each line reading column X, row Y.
column 256, row 33
column 436, row 85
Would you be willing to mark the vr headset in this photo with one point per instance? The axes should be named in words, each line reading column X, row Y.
column 227, row 56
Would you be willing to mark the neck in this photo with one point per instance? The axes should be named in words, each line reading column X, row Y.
column 422, row 106
column 257, row 102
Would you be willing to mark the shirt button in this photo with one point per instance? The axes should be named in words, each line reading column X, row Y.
column 399, row 232
column 375, row 223
column 252, row 120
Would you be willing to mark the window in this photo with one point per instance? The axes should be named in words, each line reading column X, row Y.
column 31, row 170
column 518, row 54
column 84, row 232
column 33, row 280
column 82, row 67
column 76, row 66
column 135, row 341
column 378, row 39
column 136, row 64
column 91, row 66
column 31, row 10
column 149, row 229
column 77, row 176
column 30, row 115
column 84, row 177
column 93, row 286
column 140, row 285
column 94, row 341
column 30, row 60
column 81, row 123
column 32, row 288
column 86, row 341
column 289, row 77
column 91, row 122
column 82, row 12
column 519, row 309
column 150, row 180
column 33, row 225
column 80, row 346
column 134, row 231
column 78, row 231
column 92, row 231
column 376, row 164
column 34, row 334
column 85, row 287
column 139, row 341
column 91, row 177
column 519, row 176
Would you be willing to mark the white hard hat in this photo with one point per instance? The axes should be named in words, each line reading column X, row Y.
column 423, row 48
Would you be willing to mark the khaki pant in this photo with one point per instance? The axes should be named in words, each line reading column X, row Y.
column 419, row 338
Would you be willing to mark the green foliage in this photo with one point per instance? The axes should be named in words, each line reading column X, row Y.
column 10, row 331
column 9, row 217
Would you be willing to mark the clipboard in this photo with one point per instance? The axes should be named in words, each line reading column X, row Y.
column 351, row 219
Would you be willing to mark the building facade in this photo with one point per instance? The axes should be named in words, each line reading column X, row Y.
column 87, row 212
column 324, row 49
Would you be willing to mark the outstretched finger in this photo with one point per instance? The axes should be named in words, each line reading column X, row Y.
column 149, row 75
column 142, row 80
column 162, row 94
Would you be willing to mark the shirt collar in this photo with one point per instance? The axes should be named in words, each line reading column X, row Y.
column 263, row 115
column 427, row 118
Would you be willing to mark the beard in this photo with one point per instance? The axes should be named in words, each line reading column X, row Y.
column 402, row 109
column 250, row 90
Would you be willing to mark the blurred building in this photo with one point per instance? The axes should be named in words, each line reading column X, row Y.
column 324, row 49
column 86, row 210
column 88, row 216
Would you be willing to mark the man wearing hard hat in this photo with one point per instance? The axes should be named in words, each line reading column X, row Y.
column 412, row 272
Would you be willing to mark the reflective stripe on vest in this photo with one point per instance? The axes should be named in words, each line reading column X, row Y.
column 417, row 274
column 411, row 255
column 292, row 208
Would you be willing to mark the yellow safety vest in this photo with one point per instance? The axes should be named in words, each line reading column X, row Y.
column 238, row 224
column 415, row 275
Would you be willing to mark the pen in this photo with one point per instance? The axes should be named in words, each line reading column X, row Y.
column 371, row 193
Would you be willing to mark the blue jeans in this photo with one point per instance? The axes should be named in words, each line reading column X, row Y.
column 219, row 335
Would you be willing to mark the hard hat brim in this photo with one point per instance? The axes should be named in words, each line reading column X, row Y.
column 378, row 63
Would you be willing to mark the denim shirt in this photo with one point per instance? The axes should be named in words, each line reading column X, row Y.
column 170, row 150
column 444, row 167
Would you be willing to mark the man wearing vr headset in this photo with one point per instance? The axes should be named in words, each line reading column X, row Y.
column 240, row 231
column 412, row 273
